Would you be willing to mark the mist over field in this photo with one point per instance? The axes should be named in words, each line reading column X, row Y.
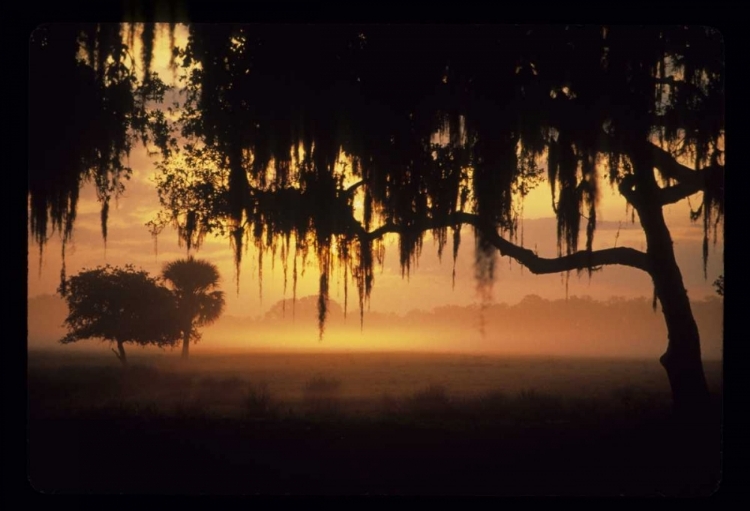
column 421, row 403
column 453, row 400
column 579, row 326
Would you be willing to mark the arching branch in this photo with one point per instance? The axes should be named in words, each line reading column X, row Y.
column 624, row 256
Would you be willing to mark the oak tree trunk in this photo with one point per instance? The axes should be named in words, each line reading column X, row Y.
column 682, row 359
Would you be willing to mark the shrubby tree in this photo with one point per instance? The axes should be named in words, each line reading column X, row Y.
column 120, row 305
column 199, row 302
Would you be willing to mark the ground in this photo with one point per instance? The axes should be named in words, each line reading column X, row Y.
column 348, row 423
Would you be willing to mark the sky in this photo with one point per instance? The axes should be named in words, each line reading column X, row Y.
column 428, row 286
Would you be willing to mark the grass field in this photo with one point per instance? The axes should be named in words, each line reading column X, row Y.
column 378, row 423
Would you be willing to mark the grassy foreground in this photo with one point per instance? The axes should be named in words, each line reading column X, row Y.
column 386, row 424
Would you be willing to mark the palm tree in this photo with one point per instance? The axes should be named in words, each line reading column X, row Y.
column 194, row 283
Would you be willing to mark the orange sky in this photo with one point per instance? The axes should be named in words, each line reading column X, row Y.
column 429, row 286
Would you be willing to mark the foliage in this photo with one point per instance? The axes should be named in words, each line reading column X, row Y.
column 329, row 138
column 413, row 130
column 90, row 100
column 322, row 385
column 194, row 283
column 258, row 402
column 322, row 395
column 433, row 399
column 719, row 285
column 121, row 305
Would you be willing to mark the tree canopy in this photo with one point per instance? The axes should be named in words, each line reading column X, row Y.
column 89, row 102
column 121, row 305
column 330, row 137
column 321, row 139
column 195, row 285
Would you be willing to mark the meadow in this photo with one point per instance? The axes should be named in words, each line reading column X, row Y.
column 362, row 423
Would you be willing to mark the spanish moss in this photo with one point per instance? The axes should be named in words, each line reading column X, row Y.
column 84, row 127
column 283, row 131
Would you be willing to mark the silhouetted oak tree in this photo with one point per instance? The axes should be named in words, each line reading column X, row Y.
column 195, row 285
column 120, row 305
column 328, row 138
column 434, row 127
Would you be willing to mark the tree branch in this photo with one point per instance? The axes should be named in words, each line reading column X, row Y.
column 676, row 193
column 689, row 181
column 670, row 168
column 538, row 265
column 353, row 188
column 624, row 256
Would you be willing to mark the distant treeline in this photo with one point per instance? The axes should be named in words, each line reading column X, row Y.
column 617, row 326
column 579, row 325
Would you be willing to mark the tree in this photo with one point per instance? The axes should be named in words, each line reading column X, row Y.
column 120, row 305
column 194, row 283
column 89, row 101
column 447, row 129
column 719, row 285
column 289, row 129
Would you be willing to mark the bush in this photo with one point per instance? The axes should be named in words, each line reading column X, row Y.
column 257, row 401
column 321, row 395
column 389, row 405
column 430, row 400
column 220, row 390
column 532, row 404
column 322, row 385
column 634, row 399
column 493, row 405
